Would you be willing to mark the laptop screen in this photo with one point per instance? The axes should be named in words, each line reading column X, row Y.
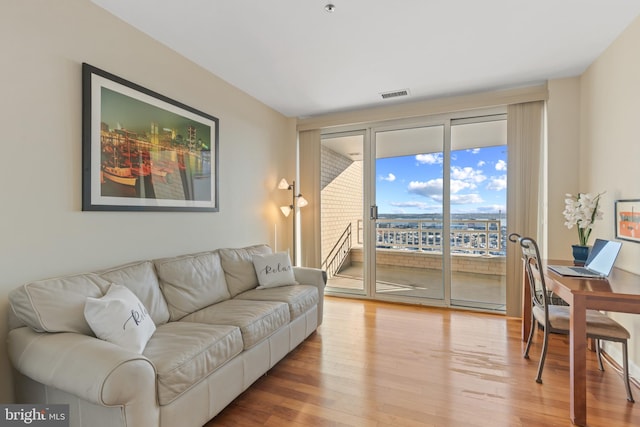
column 602, row 256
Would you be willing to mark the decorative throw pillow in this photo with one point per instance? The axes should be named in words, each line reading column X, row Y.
column 274, row 270
column 120, row 318
column 237, row 264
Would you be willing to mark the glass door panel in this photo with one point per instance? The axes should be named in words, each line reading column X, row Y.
column 341, row 212
column 478, row 201
column 409, row 224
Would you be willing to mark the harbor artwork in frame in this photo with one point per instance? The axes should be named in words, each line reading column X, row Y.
column 143, row 151
column 628, row 220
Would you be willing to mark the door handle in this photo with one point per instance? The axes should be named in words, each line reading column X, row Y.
column 373, row 214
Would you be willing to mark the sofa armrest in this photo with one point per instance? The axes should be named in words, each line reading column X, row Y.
column 315, row 277
column 87, row 367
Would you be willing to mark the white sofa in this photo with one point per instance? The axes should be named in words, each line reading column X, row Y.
column 216, row 333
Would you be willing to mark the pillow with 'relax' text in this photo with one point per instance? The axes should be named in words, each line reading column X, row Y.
column 274, row 270
column 120, row 318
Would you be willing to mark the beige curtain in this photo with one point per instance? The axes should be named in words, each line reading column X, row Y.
column 309, row 178
column 525, row 141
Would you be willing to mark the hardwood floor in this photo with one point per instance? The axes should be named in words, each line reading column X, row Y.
column 381, row 364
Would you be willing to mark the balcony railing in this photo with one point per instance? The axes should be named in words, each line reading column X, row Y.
column 469, row 236
column 338, row 253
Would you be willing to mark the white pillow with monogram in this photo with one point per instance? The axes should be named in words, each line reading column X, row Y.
column 274, row 270
column 120, row 318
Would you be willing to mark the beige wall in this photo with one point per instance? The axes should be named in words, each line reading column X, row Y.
column 43, row 232
column 610, row 148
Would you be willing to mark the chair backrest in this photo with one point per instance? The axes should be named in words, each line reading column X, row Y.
column 533, row 269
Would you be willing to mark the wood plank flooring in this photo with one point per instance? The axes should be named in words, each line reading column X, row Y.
column 388, row 365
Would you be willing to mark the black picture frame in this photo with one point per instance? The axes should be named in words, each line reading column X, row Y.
column 142, row 151
column 627, row 220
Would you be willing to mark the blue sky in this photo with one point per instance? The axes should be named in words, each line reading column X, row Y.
column 413, row 184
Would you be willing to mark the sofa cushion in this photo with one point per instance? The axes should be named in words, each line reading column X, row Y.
column 274, row 270
column 299, row 298
column 57, row 305
column 256, row 319
column 140, row 278
column 238, row 267
column 120, row 318
column 185, row 353
column 191, row 282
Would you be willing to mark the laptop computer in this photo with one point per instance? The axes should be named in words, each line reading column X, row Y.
column 599, row 263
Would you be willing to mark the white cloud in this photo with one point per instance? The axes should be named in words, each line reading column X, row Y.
column 468, row 174
column 410, row 204
column 458, row 185
column 463, row 199
column 501, row 165
column 391, row 177
column 429, row 159
column 474, row 151
column 481, row 163
column 432, row 188
column 497, row 183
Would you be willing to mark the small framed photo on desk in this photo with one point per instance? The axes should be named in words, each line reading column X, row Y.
column 628, row 220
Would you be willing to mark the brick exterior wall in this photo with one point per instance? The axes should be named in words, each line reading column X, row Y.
column 341, row 197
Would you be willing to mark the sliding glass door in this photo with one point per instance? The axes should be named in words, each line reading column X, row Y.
column 478, row 200
column 341, row 212
column 408, row 212
column 416, row 211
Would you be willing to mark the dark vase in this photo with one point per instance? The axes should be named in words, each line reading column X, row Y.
column 580, row 254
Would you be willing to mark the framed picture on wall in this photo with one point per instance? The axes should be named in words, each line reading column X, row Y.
column 142, row 151
column 628, row 220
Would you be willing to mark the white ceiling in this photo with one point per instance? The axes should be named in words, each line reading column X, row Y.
column 303, row 61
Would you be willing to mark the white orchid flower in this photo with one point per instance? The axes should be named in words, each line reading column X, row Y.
column 582, row 210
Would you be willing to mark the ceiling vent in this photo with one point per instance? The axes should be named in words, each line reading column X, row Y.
column 395, row 94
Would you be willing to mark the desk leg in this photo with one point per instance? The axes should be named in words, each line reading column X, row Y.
column 578, row 362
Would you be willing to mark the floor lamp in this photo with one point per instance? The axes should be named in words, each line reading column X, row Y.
column 297, row 201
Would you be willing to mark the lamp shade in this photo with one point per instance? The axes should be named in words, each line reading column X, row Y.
column 286, row 210
column 283, row 184
column 302, row 202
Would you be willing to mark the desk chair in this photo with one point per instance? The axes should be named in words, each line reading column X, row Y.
column 555, row 318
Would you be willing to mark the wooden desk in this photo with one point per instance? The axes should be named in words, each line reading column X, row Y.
column 620, row 293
